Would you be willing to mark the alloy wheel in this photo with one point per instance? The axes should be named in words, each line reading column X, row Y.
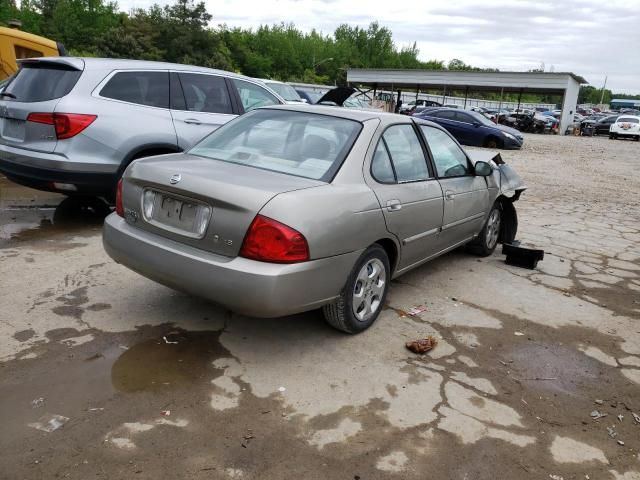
column 368, row 289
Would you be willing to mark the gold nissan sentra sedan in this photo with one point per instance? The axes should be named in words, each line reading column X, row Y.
column 293, row 208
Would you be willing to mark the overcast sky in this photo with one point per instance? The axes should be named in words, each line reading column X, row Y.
column 592, row 38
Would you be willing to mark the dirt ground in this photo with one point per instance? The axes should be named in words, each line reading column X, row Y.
column 536, row 374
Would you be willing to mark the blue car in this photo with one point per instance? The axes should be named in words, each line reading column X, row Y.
column 472, row 128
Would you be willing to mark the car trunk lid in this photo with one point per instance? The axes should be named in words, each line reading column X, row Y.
column 186, row 190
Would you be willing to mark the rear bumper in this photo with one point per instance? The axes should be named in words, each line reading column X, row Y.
column 624, row 134
column 38, row 170
column 245, row 286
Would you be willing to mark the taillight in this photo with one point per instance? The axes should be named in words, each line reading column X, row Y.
column 270, row 241
column 67, row 125
column 119, row 207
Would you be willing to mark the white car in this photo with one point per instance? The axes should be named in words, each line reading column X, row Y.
column 626, row 126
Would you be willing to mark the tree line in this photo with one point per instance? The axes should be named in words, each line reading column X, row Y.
column 181, row 33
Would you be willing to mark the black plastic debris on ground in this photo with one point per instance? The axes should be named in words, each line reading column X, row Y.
column 521, row 256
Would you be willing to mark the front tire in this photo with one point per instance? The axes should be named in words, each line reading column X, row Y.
column 492, row 142
column 363, row 295
column 488, row 237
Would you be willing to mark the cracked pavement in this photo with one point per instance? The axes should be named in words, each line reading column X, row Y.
column 157, row 384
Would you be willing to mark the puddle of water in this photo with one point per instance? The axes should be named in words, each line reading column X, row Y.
column 158, row 364
column 27, row 214
column 13, row 195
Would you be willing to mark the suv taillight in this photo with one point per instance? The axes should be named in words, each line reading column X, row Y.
column 119, row 207
column 67, row 125
column 270, row 241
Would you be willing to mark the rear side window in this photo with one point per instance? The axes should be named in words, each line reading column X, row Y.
column 381, row 168
column 254, row 96
column 143, row 88
column 205, row 93
column 409, row 163
column 447, row 115
column 41, row 83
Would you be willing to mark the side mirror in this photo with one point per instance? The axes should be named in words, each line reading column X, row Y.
column 483, row 169
column 476, row 124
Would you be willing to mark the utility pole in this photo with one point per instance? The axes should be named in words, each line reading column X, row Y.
column 603, row 86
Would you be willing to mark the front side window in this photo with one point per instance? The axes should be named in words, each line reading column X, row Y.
column 449, row 158
column 143, row 88
column 205, row 93
column 464, row 118
column 296, row 143
column 253, row 96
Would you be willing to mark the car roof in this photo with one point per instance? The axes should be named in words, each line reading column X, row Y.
column 353, row 113
column 91, row 63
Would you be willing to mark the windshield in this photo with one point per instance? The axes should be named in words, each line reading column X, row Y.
column 628, row 120
column 285, row 91
column 478, row 117
column 355, row 102
column 314, row 96
column 296, row 143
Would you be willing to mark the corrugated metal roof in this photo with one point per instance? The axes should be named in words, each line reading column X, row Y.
column 509, row 81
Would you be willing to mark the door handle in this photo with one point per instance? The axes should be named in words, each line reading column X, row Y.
column 393, row 205
column 192, row 121
column 449, row 195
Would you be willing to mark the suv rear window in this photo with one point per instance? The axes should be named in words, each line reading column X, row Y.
column 35, row 83
column 143, row 88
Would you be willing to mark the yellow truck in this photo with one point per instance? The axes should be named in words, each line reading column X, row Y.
column 16, row 44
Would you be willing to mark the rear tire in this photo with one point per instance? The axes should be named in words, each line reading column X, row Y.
column 363, row 295
column 487, row 240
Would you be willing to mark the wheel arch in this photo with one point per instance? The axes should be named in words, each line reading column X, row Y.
column 147, row 150
column 492, row 136
column 392, row 251
column 509, row 227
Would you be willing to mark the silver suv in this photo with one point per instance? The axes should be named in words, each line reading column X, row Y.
column 72, row 125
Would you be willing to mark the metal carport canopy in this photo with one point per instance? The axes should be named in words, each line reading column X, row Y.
column 540, row 82
column 561, row 83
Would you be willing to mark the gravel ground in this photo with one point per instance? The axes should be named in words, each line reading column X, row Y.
column 536, row 374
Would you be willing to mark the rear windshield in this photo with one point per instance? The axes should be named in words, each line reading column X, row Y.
column 628, row 120
column 296, row 143
column 36, row 83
